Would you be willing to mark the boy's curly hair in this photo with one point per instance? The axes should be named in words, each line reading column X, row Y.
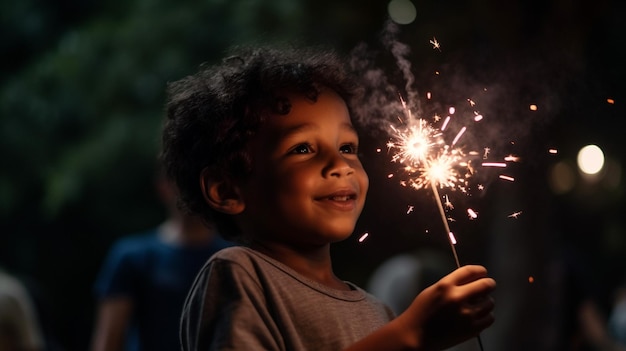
column 213, row 114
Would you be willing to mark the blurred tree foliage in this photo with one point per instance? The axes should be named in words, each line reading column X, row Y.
column 81, row 96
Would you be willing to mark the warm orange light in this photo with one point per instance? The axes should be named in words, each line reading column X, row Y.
column 531, row 279
column 533, row 107
column 610, row 101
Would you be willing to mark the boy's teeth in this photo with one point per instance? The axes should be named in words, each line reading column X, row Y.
column 340, row 198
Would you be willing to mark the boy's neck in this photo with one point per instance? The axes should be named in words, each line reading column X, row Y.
column 313, row 263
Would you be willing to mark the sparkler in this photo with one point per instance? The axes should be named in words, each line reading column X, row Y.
column 431, row 162
column 433, row 155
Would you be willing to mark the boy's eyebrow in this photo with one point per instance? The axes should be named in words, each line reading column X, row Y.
column 309, row 126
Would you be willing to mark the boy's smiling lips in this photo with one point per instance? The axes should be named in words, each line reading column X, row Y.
column 344, row 199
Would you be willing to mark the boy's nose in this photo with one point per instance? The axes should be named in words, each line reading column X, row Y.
column 338, row 166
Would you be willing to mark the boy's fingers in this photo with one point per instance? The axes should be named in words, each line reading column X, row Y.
column 469, row 273
column 478, row 290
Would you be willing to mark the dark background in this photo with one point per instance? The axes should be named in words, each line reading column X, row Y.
column 81, row 95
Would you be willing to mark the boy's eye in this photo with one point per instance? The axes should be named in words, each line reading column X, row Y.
column 301, row 149
column 348, row 149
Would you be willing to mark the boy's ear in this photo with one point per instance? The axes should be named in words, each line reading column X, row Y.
column 221, row 194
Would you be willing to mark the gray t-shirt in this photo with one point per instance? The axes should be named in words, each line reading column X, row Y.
column 244, row 300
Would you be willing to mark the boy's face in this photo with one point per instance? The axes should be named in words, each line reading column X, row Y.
column 307, row 186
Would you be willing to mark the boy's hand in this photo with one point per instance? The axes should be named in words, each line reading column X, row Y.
column 452, row 310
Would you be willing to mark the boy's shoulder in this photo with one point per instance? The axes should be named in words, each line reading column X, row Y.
column 253, row 262
column 232, row 253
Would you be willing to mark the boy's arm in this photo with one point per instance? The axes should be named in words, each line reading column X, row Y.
column 453, row 310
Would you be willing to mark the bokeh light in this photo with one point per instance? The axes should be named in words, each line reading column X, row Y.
column 590, row 159
column 562, row 178
column 402, row 11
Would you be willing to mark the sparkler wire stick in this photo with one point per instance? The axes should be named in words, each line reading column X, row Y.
column 447, row 227
column 445, row 222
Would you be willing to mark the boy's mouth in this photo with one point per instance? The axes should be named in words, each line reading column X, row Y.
column 342, row 198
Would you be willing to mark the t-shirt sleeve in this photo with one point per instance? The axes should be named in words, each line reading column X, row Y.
column 117, row 273
column 227, row 310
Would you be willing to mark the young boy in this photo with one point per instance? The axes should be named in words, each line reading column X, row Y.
column 264, row 147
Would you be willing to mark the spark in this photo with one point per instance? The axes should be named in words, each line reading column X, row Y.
column 436, row 44
column 515, row 214
column 506, row 177
column 452, row 238
column 472, row 214
column 553, row 151
column 610, row 101
column 409, row 209
column 511, row 158
column 448, row 204
column 487, row 151
column 445, row 123
column 458, row 136
column 533, row 107
column 363, row 237
column 494, row 164
column 471, row 102
column 481, row 187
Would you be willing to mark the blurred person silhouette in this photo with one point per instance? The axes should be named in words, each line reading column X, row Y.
column 145, row 277
column 617, row 317
column 19, row 324
column 577, row 303
column 398, row 279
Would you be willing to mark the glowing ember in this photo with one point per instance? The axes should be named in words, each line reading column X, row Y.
column 472, row 214
column 435, row 44
column 506, row 177
column 494, row 164
column 448, row 204
column 553, row 151
column 610, row 101
column 452, row 238
column 515, row 214
column 533, row 107
column 363, row 237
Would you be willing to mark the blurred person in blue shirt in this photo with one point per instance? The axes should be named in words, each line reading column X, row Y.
column 145, row 277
